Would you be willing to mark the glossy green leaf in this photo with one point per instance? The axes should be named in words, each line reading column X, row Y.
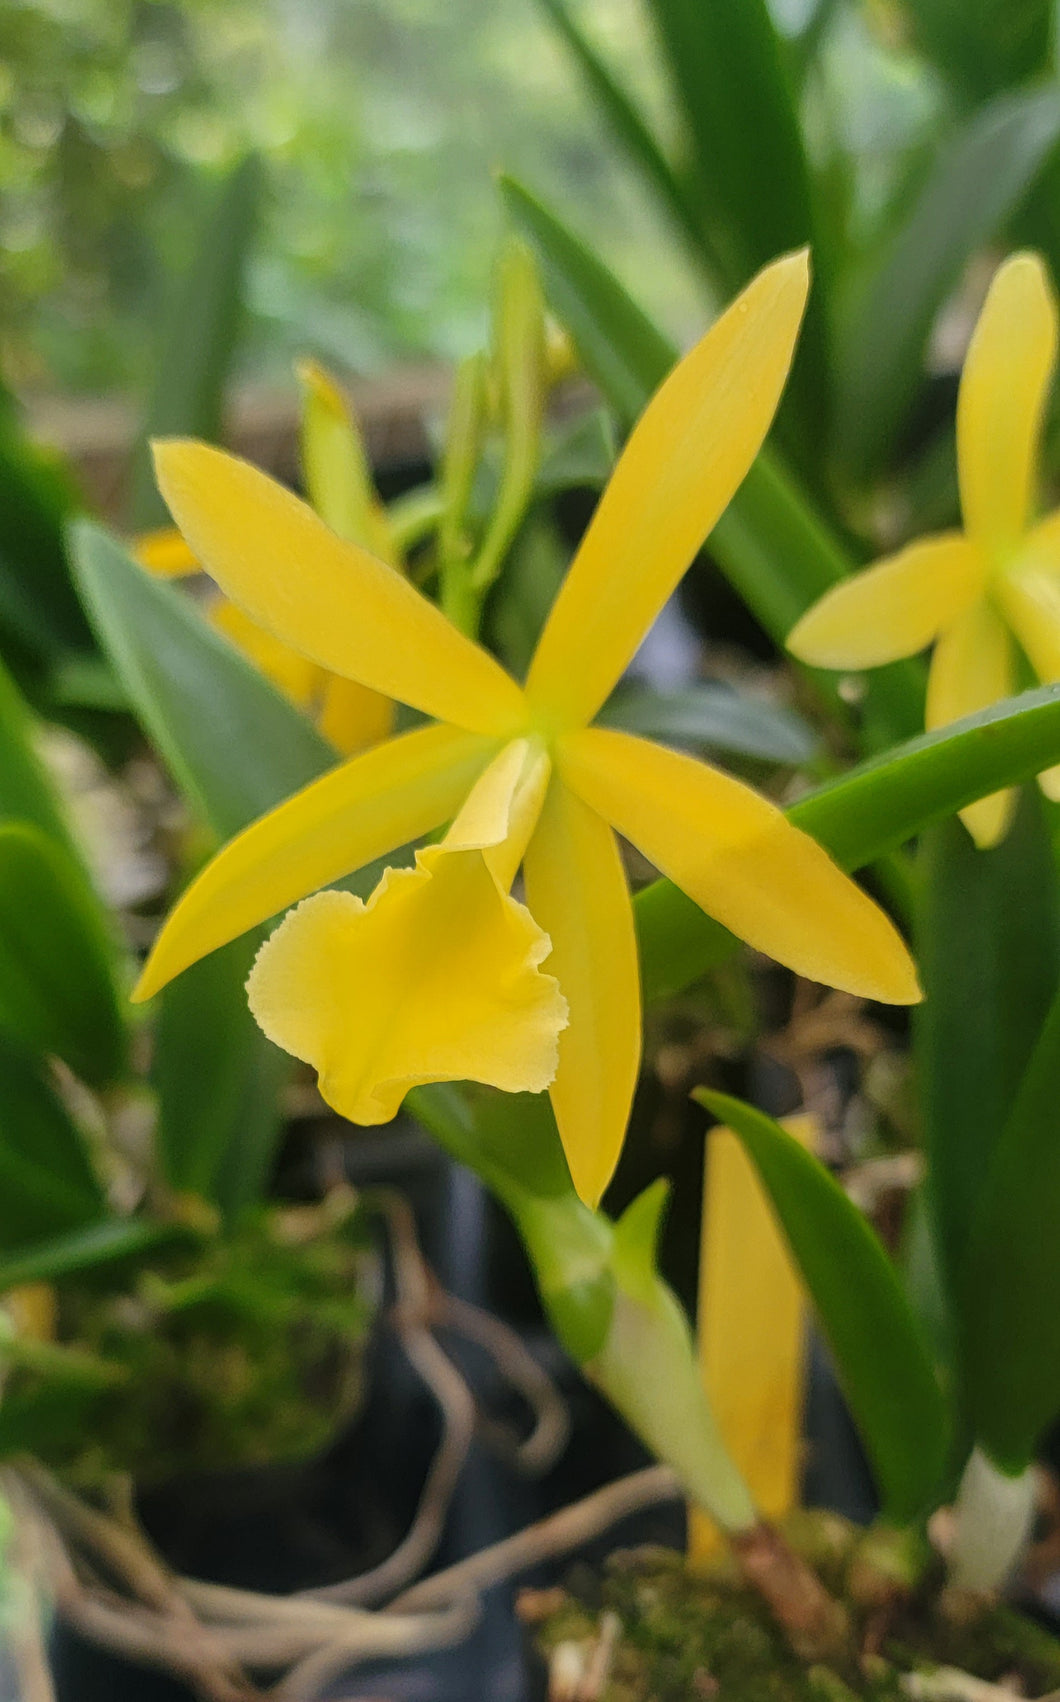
column 199, row 343
column 47, row 1184
column 232, row 743
column 712, row 716
column 57, row 962
column 772, row 545
column 186, row 682
column 976, row 183
column 869, row 812
column 988, row 946
column 881, row 1357
column 1009, row 1302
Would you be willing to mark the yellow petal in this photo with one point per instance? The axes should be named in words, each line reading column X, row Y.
column 337, row 478
column 354, row 717
column 327, row 598
column 164, row 552
column 738, row 857
column 970, row 669
column 1002, row 397
column 892, row 609
column 751, row 1327
column 360, row 811
column 436, row 978
column 1030, row 598
column 300, row 680
column 684, row 460
column 576, row 888
column 503, row 807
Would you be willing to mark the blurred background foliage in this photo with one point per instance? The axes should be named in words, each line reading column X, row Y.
column 381, row 122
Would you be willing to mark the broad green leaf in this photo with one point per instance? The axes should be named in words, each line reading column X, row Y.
column 1009, row 1302
column 976, row 183
column 233, row 744
column 988, row 945
column 630, row 128
column 217, row 1085
column 881, row 1357
column 712, row 716
column 26, row 792
column 80, row 1250
column 47, row 1185
column 57, row 985
column 186, row 683
column 187, row 391
column 983, row 46
column 38, row 604
column 869, row 812
column 772, row 545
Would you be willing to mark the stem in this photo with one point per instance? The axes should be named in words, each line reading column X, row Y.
column 994, row 1513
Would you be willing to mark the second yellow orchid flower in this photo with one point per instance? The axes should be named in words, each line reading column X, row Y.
column 971, row 592
column 538, row 784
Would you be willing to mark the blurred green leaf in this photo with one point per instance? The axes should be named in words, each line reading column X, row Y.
column 234, row 745
column 712, row 716
column 1009, row 1302
column 187, row 392
column 47, row 1185
column 57, row 983
column 218, row 1087
column 881, row 1357
column 988, row 946
column 983, row 46
column 976, row 183
column 872, row 810
column 630, row 127
column 79, row 1250
column 774, row 548
column 582, row 455
column 26, row 792
column 236, row 748
column 38, row 604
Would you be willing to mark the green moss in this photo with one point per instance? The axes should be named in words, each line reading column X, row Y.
column 686, row 1636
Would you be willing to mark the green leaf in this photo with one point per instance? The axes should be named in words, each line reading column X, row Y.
column 217, row 1086
column 772, row 545
column 26, row 792
column 80, row 1250
column 869, row 812
column 976, row 183
column 234, row 746
column 881, row 1358
column 988, row 946
column 712, row 716
column 57, row 986
column 630, row 127
column 47, row 1185
column 634, row 1253
column 986, row 46
column 38, row 604
column 186, row 683
column 1009, row 1303
column 199, row 343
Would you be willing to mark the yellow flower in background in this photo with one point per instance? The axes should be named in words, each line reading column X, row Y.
column 527, row 778
column 339, row 486
column 971, row 592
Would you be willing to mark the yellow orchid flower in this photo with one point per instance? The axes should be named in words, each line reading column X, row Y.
column 542, row 787
column 339, row 487
column 971, row 592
